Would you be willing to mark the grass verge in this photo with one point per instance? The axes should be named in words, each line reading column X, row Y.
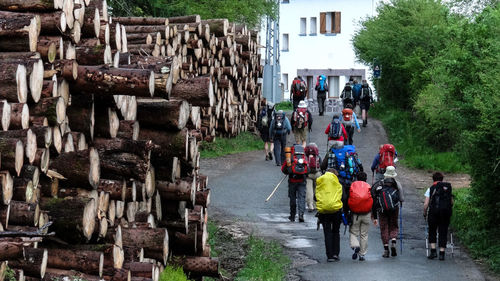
column 408, row 137
column 483, row 242
column 265, row 261
column 246, row 259
column 245, row 141
column 173, row 274
column 284, row 105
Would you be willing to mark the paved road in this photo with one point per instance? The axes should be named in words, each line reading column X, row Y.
column 240, row 183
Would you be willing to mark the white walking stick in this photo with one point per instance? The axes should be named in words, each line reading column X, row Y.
column 276, row 188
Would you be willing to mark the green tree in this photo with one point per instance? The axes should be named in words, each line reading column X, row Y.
column 404, row 37
column 249, row 12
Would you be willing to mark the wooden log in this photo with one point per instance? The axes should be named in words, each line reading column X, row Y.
column 81, row 116
column 64, row 274
column 6, row 115
column 49, row 88
column 197, row 91
column 89, row 262
column 31, row 173
column 152, row 240
column 128, row 130
column 20, row 25
column 27, row 137
column 119, row 165
column 217, row 26
column 140, row 21
column 185, row 19
column 181, row 190
column 91, row 24
column 19, row 116
column 24, row 191
column 87, row 171
column 173, row 144
column 7, row 188
column 106, row 123
column 12, row 154
column 52, row 108
column 22, row 213
column 73, row 218
column 200, row 266
column 141, row 269
column 140, row 148
column 203, row 198
column 13, row 79
column 165, row 167
column 172, row 114
column 31, row 5
column 146, row 29
column 34, row 262
column 100, row 80
column 12, row 248
column 93, row 55
column 19, row 55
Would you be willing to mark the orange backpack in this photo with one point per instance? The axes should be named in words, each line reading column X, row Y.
column 360, row 199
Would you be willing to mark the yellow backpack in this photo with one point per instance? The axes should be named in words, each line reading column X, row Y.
column 328, row 194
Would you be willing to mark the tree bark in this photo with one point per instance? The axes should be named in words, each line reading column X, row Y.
column 30, row 5
column 123, row 165
column 81, row 116
column 73, row 218
column 5, row 112
column 128, row 130
column 100, row 80
column 198, row 91
column 202, row 266
column 217, row 26
column 92, row 55
column 163, row 114
column 90, row 262
column 173, row 144
column 151, row 240
column 22, row 213
column 12, row 154
column 106, row 123
column 84, row 170
column 34, row 262
column 140, row 148
column 203, row 198
column 14, row 82
column 140, row 21
column 52, row 108
column 20, row 25
column 181, row 190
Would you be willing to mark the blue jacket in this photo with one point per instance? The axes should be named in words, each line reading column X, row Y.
column 287, row 128
column 356, row 90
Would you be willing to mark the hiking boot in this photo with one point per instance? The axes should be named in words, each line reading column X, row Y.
column 361, row 258
column 336, row 258
column 301, row 218
column 270, row 156
column 355, row 255
column 278, row 164
column 386, row 254
column 267, row 158
column 364, row 123
column 291, row 218
column 433, row 254
column 441, row 255
column 393, row 251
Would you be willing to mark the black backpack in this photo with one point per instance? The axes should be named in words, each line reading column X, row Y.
column 441, row 198
column 335, row 130
column 365, row 92
column 348, row 93
column 388, row 195
column 279, row 123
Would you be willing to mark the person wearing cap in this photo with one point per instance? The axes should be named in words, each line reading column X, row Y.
column 299, row 91
column 296, row 181
column 388, row 220
column 280, row 127
column 321, row 88
column 301, row 123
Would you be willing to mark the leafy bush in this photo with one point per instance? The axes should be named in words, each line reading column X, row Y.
column 172, row 273
column 284, row 105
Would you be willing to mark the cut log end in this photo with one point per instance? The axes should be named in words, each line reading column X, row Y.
column 22, row 84
column 31, row 146
column 7, row 189
column 95, row 170
column 36, row 80
column 60, row 110
column 6, row 114
column 152, row 83
column 88, row 220
column 25, row 117
column 114, row 123
column 19, row 156
column 34, row 31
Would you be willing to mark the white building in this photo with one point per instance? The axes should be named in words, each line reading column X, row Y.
column 315, row 38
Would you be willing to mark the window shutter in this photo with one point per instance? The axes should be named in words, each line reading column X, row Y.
column 322, row 23
column 337, row 23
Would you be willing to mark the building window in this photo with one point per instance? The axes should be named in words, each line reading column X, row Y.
column 312, row 26
column 285, row 81
column 285, row 42
column 285, row 1
column 329, row 22
column 303, row 26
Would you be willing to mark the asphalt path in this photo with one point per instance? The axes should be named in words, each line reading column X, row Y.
column 240, row 184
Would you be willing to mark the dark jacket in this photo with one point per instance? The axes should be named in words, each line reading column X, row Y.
column 287, row 170
column 377, row 187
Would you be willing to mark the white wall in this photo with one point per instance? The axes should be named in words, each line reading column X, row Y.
column 321, row 51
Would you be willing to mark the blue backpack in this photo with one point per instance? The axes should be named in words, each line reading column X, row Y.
column 345, row 160
column 322, row 83
column 356, row 90
column 335, row 130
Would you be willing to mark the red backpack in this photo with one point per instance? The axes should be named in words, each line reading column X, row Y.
column 299, row 161
column 360, row 199
column 313, row 160
column 298, row 88
column 300, row 118
column 386, row 153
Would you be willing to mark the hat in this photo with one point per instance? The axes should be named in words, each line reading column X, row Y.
column 270, row 104
column 390, row 172
column 302, row 104
column 280, row 111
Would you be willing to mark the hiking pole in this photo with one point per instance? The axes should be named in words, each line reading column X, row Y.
column 401, row 227
column 276, row 188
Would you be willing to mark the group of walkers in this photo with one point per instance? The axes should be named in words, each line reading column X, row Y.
column 335, row 186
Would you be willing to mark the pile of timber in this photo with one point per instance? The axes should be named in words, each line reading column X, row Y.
column 101, row 122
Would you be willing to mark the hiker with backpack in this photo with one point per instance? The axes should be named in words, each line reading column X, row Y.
column 313, row 162
column 386, row 156
column 321, row 88
column 263, row 123
column 299, row 91
column 336, row 131
column 360, row 204
column 296, row 168
column 301, row 123
column 280, row 127
column 347, row 95
column 388, row 197
column 329, row 204
column 356, row 90
column 438, row 208
column 349, row 120
column 365, row 100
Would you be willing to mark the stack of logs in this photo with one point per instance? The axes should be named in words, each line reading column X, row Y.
column 85, row 191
